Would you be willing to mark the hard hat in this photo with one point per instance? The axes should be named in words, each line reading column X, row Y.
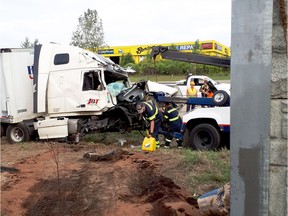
column 192, row 83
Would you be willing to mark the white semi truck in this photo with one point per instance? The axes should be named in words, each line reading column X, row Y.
column 57, row 91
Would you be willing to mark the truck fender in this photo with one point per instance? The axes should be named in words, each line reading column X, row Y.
column 123, row 113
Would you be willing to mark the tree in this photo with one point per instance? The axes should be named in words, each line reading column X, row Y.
column 28, row 44
column 197, row 47
column 126, row 58
column 89, row 33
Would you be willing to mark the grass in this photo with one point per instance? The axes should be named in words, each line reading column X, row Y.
column 207, row 169
column 167, row 78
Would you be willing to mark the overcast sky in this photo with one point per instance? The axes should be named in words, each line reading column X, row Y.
column 125, row 22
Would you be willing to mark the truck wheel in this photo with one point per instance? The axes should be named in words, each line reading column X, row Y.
column 204, row 137
column 220, row 98
column 17, row 133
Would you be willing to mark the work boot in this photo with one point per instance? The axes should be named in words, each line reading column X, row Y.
column 179, row 144
column 167, row 144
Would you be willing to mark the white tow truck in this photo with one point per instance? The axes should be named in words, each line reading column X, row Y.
column 199, row 81
column 203, row 128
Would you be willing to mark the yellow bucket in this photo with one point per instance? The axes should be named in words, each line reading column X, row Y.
column 149, row 144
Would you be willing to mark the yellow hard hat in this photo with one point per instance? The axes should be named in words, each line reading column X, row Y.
column 192, row 83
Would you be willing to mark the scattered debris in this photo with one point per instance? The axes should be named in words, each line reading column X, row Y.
column 122, row 141
column 215, row 202
column 9, row 169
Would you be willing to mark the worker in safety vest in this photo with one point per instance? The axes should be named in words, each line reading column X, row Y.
column 152, row 114
column 209, row 94
column 191, row 92
column 174, row 122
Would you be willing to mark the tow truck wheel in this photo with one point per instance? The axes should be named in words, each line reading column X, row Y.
column 220, row 98
column 204, row 137
column 17, row 133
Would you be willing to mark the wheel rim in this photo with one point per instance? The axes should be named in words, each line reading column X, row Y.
column 204, row 138
column 17, row 134
column 219, row 97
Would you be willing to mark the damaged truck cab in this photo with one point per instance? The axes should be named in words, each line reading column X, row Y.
column 57, row 91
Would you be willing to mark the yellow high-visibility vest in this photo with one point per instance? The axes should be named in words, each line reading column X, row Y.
column 192, row 92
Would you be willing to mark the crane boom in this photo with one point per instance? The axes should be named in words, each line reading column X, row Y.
column 189, row 57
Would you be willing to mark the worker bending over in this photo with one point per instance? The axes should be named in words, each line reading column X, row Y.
column 152, row 114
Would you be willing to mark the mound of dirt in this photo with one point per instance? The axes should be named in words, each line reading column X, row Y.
column 112, row 181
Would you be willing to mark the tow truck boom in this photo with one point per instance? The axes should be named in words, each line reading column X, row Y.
column 189, row 57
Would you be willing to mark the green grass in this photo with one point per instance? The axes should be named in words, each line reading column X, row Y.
column 167, row 78
column 207, row 169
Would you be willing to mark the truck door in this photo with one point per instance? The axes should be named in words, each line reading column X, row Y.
column 94, row 91
column 77, row 91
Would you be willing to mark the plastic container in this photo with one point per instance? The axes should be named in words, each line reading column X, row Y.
column 149, row 144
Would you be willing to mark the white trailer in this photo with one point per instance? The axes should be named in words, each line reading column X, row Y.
column 17, row 89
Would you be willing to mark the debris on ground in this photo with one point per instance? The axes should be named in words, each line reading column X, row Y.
column 215, row 202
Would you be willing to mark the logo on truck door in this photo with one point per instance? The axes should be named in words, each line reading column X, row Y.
column 92, row 101
column 30, row 71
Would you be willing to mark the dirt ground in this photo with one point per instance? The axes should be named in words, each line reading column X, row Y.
column 91, row 179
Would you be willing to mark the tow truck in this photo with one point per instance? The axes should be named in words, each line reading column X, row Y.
column 203, row 128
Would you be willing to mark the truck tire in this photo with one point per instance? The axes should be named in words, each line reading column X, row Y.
column 17, row 133
column 220, row 98
column 204, row 137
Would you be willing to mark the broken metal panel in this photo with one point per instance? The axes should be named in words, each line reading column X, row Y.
column 250, row 105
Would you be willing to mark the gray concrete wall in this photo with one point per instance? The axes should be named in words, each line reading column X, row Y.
column 278, row 163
